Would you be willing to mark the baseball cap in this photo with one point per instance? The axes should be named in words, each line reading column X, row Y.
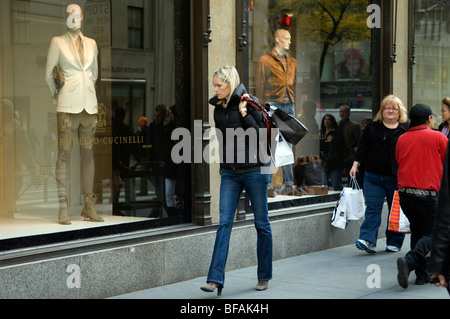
column 419, row 113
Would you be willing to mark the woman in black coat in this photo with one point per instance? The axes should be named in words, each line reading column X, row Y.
column 376, row 153
column 332, row 146
column 240, row 169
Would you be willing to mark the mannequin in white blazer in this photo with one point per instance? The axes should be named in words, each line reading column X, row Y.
column 76, row 108
column 78, row 92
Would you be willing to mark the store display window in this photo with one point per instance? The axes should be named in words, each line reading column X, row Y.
column 313, row 60
column 87, row 108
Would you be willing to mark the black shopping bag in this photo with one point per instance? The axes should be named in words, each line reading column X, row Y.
column 291, row 128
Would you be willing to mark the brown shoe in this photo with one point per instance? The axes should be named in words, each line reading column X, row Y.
column 271, row 192
column 262, row 285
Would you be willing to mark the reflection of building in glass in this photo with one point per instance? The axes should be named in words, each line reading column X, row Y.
column 346, row 58
column 432, row 55
column 352, row 66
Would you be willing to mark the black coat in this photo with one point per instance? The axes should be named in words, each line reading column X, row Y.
column 441, row 127
column 440, row 250
column 121, row 152
column 237, row 153
column 332, row 153
column 371, row 141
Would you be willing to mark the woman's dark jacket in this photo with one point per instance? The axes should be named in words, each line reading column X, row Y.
column 440, row 251
column 332, row 153
column 237, row 153
column 376, row 147
column 441, row 127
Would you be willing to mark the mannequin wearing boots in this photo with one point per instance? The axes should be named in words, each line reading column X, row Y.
column 75, row 58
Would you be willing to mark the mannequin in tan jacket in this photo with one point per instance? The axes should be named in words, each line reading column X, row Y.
column 275, row 84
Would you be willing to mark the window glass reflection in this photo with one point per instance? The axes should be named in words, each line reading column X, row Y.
column 312, row 58
column 431, row 56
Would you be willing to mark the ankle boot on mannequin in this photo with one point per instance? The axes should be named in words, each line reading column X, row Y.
column 63, row 213
column 88, row 210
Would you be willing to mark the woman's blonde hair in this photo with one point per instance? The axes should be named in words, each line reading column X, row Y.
column 229, row 75
column 396, row 102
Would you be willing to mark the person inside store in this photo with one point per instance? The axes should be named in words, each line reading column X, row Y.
column 71, row 74
column 444, row 127
column 351, row 131
column 308, row 166
column 275, row 82
column 122, row 154
column 376, row 152
column 170, row 168
column 231, row 112
column 143, row 131
column 332, row 148
column 158, row 147
column 439, row 263
column 309, row 145
column 419, row 152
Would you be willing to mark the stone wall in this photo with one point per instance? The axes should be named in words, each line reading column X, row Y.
column 153, row 262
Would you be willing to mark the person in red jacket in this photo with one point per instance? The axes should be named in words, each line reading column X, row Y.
column 420, row 154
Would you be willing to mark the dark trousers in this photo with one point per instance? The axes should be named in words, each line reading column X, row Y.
column 420, row 211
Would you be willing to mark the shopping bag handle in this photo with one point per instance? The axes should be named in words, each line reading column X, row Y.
column 354, row 183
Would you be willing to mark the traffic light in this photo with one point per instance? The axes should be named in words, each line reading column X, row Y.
column 285, row 21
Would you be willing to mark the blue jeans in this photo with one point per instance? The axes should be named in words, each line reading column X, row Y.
column 377, row 187
column 232, row 185
column 288, row 174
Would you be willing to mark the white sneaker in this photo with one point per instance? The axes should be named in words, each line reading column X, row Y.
column 366, row 246
column 392, row 249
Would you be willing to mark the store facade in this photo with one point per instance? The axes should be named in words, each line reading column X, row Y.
column 156, row 57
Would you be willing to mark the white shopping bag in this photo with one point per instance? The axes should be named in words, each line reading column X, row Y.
column 339, row 217
column 398, row 222
column 354, row 200
column 404, row 226
column 280, row 151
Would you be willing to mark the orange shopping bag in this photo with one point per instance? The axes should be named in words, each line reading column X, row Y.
column 398, row 222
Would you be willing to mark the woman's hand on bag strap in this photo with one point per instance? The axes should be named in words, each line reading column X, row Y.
column 257, row 106
column 243, row 105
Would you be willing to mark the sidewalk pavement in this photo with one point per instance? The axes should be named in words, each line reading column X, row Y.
column 339, row 273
